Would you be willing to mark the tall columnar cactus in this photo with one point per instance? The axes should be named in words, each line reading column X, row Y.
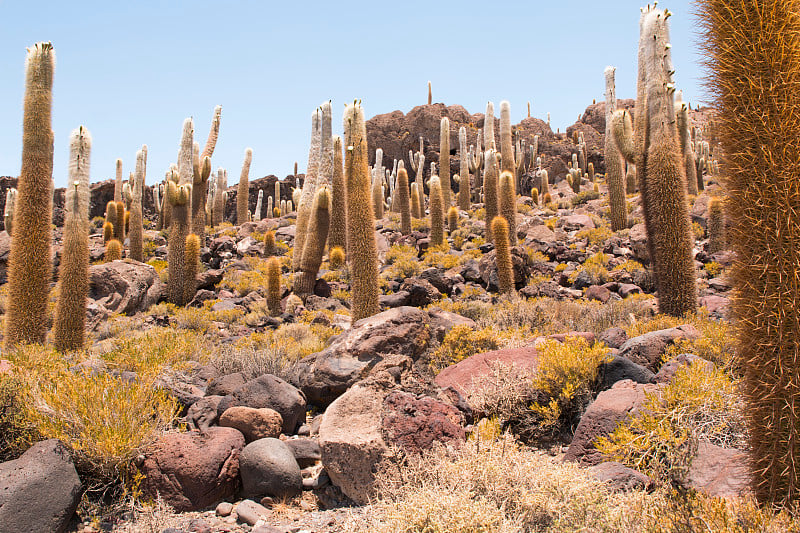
column 306, row 196
column 30, row 266
column 437, row 211
column 361, row 247
column 507, row 161
column 416, row 207
column 259, row 205
column 452, row 219
column 716, row 226
column 220, row 198
column 179, row 195
column 274, row 286
column 491, row 203
column 430, row 94
column 403, row 201
column 377, row 198
column 464, row 188
column 136, row 236
column 119, row 227
column 8, row 214
column 444, row 160
column 111, row 217
column 243, row 191
column 338, row 232
column 118, row 182
column 655, row 151
column 73, row 272
column 505, row 268
column 630, row 179
column 488, row 128
column 475, row 159
column 314, row 247
column 685, row 142
column 192, row 262
column 200, row 182
column 270, row 205
column 753, row 49
column 615, row 169
column 417, row 162
column 508, row 204
column 325, row 169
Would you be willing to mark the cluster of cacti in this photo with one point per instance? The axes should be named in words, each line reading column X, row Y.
column 653, row 146
column 218, row 197
column 417, row 162
column 475, row 163
column 615, row 170
column 243, row 191
column 753, row 53
column 73, row 273
column 505, row 269
column 361, row 247
column 684, row 137
column 30, row 265
column 579, row 170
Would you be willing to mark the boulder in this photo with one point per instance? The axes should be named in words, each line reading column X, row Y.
column 597, row 292
column 124, row 286
column 620, row 368
column 602, row 416
column 719, row 472
column 441, row 322
column 250, row 512
column 271, row 392
column 421, row 292
column 306, row 451
column 203, row 413
column 268, row 468
column 40, row 490
column 254, row 423
column 326, row 375
column 415, row 423
column 519, row 262
column 671, row 367
column 224, row 385
column 463, row 375
column 619, row 477
column 647, row 349
column 193, row 470
column 613, row 337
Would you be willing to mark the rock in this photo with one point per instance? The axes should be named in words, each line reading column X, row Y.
column 271, row 392
column 576, row 222
column 203, row 413
column 647, row 349
column 224, row 509
column 208, row 279
column 224, row 385
column 597, row 292
column 626, row 289
column 602, row 416
column 444, row 281
column 488, row 268
column 326, row 375
column 306, row 451
column 719, row 472
column 671, row 367
column 268, row 468
column 619, row 368
column 613, row 337
column 40, row 490
column 443, row 321
column 463, row 375
column 251, row 512
column 125, row 286
column 396, row 299
column 414, row 424
column 540, row 234
column 717, row 306
column 254, row 423
column 192, row 470
column 619, row 477
column 421, row 292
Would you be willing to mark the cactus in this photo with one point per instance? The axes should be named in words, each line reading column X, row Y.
column 684, row 137
column 430, row 94
column 269, row 243
column 111, row 216
column 220, row 198
column 270, row 205
column 505, row 269
column 476, row 161
column 243, row 192
column 274, row 286
column 716, row 226
column 276, row 212
column 30, row 267
column 508, row 204
column 464, row 189
column 660, row 167
column 119, row 227
column 337, row 237
column 306, row 196
column 296, row 194
column 200, row 177
column 192, row 262
column 444, row 160
column 113, row 250
column 314, row 247
column 136, row 236
column 630, row 179
column 507, row 161
column 403, row 201
column 179, row 195
column 361, row 247
column 8, row 215
column 325, row 169
column 615, row 178
column 535, row 196
column 259, row 201
column 416, row 207
column 544, row 182
column 336, row 257
column 118, row 182
column 417, row 162
column 377, row 199
column 437, row 211
column 490, row 201
column 590, row 171
column 73, row 272
column 547, row 198
column 488, row 128
column 452, row 219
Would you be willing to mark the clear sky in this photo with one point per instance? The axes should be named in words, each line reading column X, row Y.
column 132, row 71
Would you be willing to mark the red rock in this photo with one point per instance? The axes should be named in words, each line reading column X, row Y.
column 415, row 424
column 597, row 292
column 253, row 423
column 719, row 472
column 462, row 375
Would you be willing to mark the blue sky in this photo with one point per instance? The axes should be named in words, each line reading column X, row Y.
column 132, row 71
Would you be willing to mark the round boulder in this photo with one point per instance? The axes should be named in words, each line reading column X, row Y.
column 269, row 468
column 254, row 423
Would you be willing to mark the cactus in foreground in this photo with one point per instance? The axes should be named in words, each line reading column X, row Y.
column 753, row 50
column 136, row 233
column 73, row 272
column 655, row 151
column 108, row 231
column 113, row 250
column 444, row 160
column 437, row 211
column 361, row 247
column 505, row 269
column 508, row 204
column 490, row 201
column 403, row 201
column 243, row 191
column 8, row 214
column 111, row 217
column 314, row 247
column 615, row 168
column 119, row 227
column 30, row 265
column 192, row 262
column 274, row 286
column 179, row 194
column 337, row 237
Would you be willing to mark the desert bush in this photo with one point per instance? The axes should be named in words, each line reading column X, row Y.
column 16, row 432
column 460, row 342
column 584, row 196
column 597, row 235
column 155, row 350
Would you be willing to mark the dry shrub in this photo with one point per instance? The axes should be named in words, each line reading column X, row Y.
column 460, row 342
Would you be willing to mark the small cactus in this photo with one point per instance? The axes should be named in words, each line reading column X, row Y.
column 113, row 250
column 535, row 195
column 505, row 269
column 416, row 207
column 336, row 258
column 452, row 219
column 269, row 243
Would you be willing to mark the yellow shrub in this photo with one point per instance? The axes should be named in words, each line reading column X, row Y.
column 16, row 432
column 595, row 236
column 440, row 257
column 713, row 268
column 157, row 349
column 461, row 342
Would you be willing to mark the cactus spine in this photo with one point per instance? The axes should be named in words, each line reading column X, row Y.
column 505, row 270
column 508, row 204
column 403, row 201
column 274, row 286
column 30, row 266
column 136, row 237
column 314, row 246
column 444, row 160
column 464, row 188
column 615, row 177
column 754, row 53
column 490, row 201
column 660, row 167
column 179, row 195
column 337, row 236
column 361, row 246
column 73, row 273
column 243, row 193
column 200, row 181
column 437, row 211
column 306, row 196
